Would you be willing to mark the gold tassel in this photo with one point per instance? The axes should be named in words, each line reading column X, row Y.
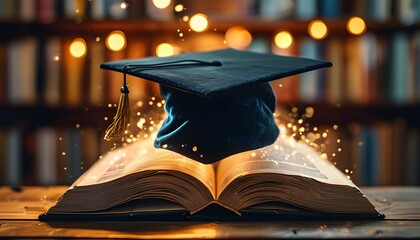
column 122, row 117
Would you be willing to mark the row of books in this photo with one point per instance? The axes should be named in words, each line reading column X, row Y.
column 48, row 155
column 385, row 153
column 407, row 11
column 367, row 69
column 382, row 153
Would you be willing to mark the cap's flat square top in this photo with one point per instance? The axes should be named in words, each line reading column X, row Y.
column 214, row 72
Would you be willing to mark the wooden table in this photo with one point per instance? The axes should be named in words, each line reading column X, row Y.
column 19, row 212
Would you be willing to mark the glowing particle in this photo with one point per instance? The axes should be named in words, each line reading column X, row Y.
column 199, row 22
column 195, row 148
column 238, row 37
column 179, row 8
column 280, row 85
column 317, row 29
column 123, row 5
column 356, row 26
column 315, row 129
column 150, row 103
column 116, row 41
column 324, row 135
column 78, row 48
column 339, row 149
column 294, row 109
column 165, row 146
column 300, row 121
column 253, row 154
column 97, row 39
column 165, row 50
column 181, row 34
column 185, row 18
column 338, row 140
column 159, row 104
column 161, row 4
column 283, row 39
column 109, row 105
column 141, row 122
column 360, row 143
column 63, row 153
column 309, row 112
column 346, row 171
column 56, row 58
column 335, row 127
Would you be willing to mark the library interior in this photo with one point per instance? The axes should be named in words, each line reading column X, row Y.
column 56, row 103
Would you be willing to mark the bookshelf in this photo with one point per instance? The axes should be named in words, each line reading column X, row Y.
column 366, row 93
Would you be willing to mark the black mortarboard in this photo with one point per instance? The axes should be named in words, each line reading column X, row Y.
column 218, row 103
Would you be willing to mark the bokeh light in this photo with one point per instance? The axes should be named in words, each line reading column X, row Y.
column 78, row 48
column 161, row 4
column 199, row 22
column 238, row 37
column 165, row 50
column 317, row 29
column 283, row 39
column 116, row 41
column 356, row 26
column 179, row 8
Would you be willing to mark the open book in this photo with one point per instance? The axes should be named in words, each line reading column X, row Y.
column 286, row 178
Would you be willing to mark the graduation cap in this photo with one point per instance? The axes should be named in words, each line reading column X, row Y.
column 218, row 103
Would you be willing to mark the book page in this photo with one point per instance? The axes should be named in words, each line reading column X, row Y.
column 285, row 156
column 143, row 156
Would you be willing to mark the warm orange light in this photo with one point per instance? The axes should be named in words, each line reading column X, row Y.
column 199, row 22
column 115, row 41
column 165, row 50
column 179, row 8
column 317, row 29
column 356, row 26
column 78, row 48
column 283, row 39
column 238, row 37
column 161, row 4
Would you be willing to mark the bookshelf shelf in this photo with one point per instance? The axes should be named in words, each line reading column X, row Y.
column 12, row 29
column 23, row 116
column 325, row 114
column 328, row 114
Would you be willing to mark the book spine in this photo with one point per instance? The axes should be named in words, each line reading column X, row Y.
column 51, row 91
column 27, row 10
column 306, row 9
column 3, row 73
column 399, row 62
column 309, row 82
column 329, row 8
column 14, row 176
column 334, row 76
column 96, row 55
column 3, row 149
column 46, row 153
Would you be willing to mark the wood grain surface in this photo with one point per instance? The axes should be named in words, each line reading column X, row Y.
column 19, row 211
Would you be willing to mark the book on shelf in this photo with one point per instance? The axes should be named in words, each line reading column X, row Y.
column 285, row 180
